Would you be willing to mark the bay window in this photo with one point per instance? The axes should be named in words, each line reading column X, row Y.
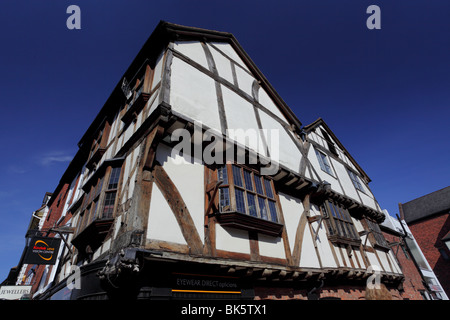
column 247, row 199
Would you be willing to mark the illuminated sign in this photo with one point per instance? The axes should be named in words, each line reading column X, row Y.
column 42, row 250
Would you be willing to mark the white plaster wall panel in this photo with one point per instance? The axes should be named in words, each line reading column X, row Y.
column 97, row 253
column 139, row 120
column 193, row 94
column 126, row 172
column 271, row 246
column 188, row 177
column 267, row 102
column 193, row 50
column 358, row 225
column 345, row 180
column 128, row 132
column 292, row 210
column 158, row 70
column 346, row 258
column 373, row 260
column 241, row 116
column 117, row 223
column 162, row 224
column 245, row 80
column 383, row 260
column 132, row 184
column 223, row 65
column 109, row 152
column 323, row 245
column 228, row 50
column 358, row 255
column 231, row 239
column 394, row 263
column 153, row 102
column 308, row 258
column 368, row 201
column 113, row 130
column 106, row 246
column 285, row 149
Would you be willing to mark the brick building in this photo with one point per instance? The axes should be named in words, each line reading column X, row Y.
column 414, row 286
column 429, row 220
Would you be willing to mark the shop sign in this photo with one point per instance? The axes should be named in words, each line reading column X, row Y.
column 42, row 250
column 13, row 292
column 182, row 282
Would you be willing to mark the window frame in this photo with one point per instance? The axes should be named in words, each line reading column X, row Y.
column 239, row 212
column 375, row 235
column 321, row 156
column 355, row 180
column 339, row 223
column 258, row 195
column 93, row 205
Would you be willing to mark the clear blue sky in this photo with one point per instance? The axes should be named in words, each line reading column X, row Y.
column 385, row 93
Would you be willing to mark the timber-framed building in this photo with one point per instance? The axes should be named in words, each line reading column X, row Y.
column 282, row 211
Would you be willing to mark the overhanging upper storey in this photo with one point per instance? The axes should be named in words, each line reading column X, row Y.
column 335, row 166
column 177, row 37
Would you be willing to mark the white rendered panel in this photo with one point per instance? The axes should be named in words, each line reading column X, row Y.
column 193, row 50
column 188, row 177
column 230, row 52
column 162, row 224
column 158, row 70
column 223, row 65
column 193, row 94
column 368, row 201
column 308, row 256
column 241, row 119
column 153, row 102
column 267, row 102
column 271, row 246
column 231, row 239
column 284, row 151
column 245, row 81
column 373, row 260
column 292, row 210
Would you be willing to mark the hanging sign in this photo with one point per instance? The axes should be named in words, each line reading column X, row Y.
column 42, row 250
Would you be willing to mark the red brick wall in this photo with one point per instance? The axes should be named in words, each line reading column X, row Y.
column 50, row 220
column 413, row 280
column 343, row 292
column 428, row 234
